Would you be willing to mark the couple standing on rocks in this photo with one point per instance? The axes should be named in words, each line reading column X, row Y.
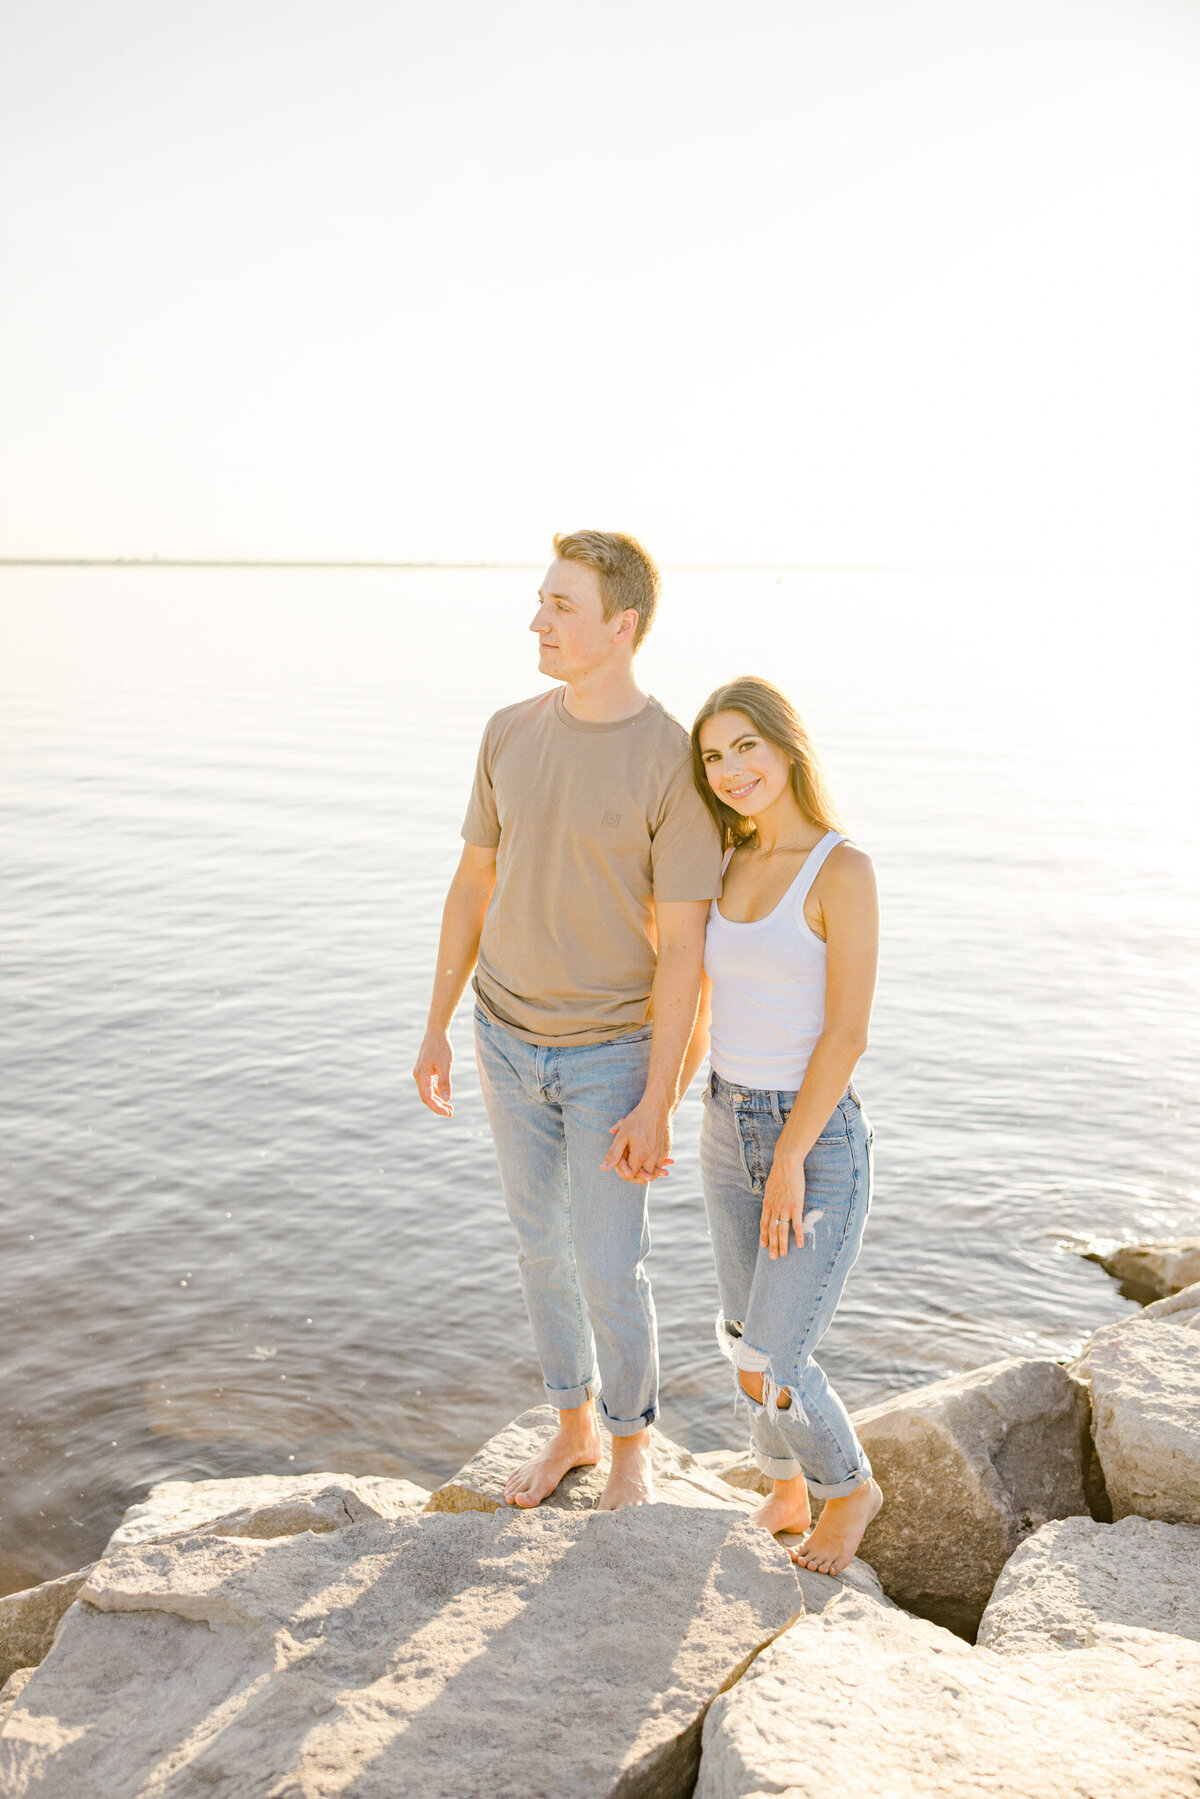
column 629, row 905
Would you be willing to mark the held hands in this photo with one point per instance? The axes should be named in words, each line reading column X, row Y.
column 641, row 1146
column 783, row 1205
column 432, row 1073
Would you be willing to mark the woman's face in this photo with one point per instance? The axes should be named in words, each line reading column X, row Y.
column 744, row 769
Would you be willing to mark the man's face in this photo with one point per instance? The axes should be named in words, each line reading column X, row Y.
column 574, row 637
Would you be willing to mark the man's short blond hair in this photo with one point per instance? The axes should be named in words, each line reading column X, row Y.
column 629, row 581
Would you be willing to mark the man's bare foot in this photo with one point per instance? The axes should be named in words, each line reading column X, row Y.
column 630, row 1481
column 786, row 1509
column 575, row 1444
column 834, row 1540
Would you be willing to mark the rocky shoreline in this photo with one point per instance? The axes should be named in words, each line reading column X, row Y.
column 1023, row 1619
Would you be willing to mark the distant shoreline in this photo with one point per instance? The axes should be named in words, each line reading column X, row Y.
column 230, row 562
column 776, row 568
column 814, row 568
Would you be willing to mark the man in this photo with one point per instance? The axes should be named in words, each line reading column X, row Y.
column 582, row 894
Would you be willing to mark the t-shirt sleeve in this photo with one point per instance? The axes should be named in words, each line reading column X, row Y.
column 685, row 851
column 481, row 826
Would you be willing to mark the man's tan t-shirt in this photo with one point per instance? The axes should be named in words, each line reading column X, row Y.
column 590, row 823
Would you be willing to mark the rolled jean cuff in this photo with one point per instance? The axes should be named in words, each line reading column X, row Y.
column 776, row 1469
column 822, row 1489
column 626, row 1427
column 568, row 1399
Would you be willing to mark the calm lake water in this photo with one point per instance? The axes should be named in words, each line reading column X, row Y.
column 232, row 1241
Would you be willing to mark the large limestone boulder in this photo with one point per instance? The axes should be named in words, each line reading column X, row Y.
column 258, row 1505
column 264, row 1505
column 862, row 1700
column 679, row 1478
column 1076, row 1582
column 28, row 1621
column 553, row 1655
column 1144, row 1373
column 969, row 1466
column 1158, row 1268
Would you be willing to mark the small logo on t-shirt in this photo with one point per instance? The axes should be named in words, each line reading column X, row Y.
column 612, row 818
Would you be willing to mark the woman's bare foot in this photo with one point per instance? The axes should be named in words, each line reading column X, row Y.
column 834, row 1540
column 786, row 1509
column 575, row 1444
column 630, row 1481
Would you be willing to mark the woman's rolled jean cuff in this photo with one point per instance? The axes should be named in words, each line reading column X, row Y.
column 776, row 1469
column 821, row 1489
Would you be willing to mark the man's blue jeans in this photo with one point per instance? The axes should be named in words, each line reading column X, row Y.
column 583, row 1233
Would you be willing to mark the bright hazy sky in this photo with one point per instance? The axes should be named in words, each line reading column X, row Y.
column 831, row 281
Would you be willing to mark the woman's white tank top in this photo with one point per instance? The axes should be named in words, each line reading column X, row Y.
column 768, row 987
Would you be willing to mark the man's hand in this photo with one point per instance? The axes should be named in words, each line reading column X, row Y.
column 641, row 1146
column 783, row 1205
column 432, row 1073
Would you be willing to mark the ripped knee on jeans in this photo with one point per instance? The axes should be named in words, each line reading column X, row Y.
column 753, row 1368
column 752, row 1384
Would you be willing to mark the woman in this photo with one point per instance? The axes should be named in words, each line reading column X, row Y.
column 789, row 961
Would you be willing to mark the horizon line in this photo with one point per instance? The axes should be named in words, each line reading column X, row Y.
column 282, row 562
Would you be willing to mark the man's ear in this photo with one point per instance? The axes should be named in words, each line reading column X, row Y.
column 628, row 625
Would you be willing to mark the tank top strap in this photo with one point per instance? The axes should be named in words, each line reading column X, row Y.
column 816, row 861
column 727, row 858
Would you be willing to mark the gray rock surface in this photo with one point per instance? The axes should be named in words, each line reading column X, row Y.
column 555, row 1655
column 969, row 1466
column 1161, row 1268
column 862, row 1701
column 1144, row 1374
column 1076, row 1582
column 736, row 1469
column 11, row 1691
column 264, row 1505
column 29, row 1619
column 679, row 1478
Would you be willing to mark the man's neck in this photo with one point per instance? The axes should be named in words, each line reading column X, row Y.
column 601, row 698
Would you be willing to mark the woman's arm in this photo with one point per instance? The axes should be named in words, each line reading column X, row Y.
column 849, row 904
column 697, row 1049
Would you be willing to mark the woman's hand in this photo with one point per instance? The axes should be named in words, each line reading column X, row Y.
column 783, row 1204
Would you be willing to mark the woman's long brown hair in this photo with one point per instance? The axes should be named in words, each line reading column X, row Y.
column 775, row 718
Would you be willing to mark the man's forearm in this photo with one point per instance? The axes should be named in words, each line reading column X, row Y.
column 675, row 998
column 458, row 949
